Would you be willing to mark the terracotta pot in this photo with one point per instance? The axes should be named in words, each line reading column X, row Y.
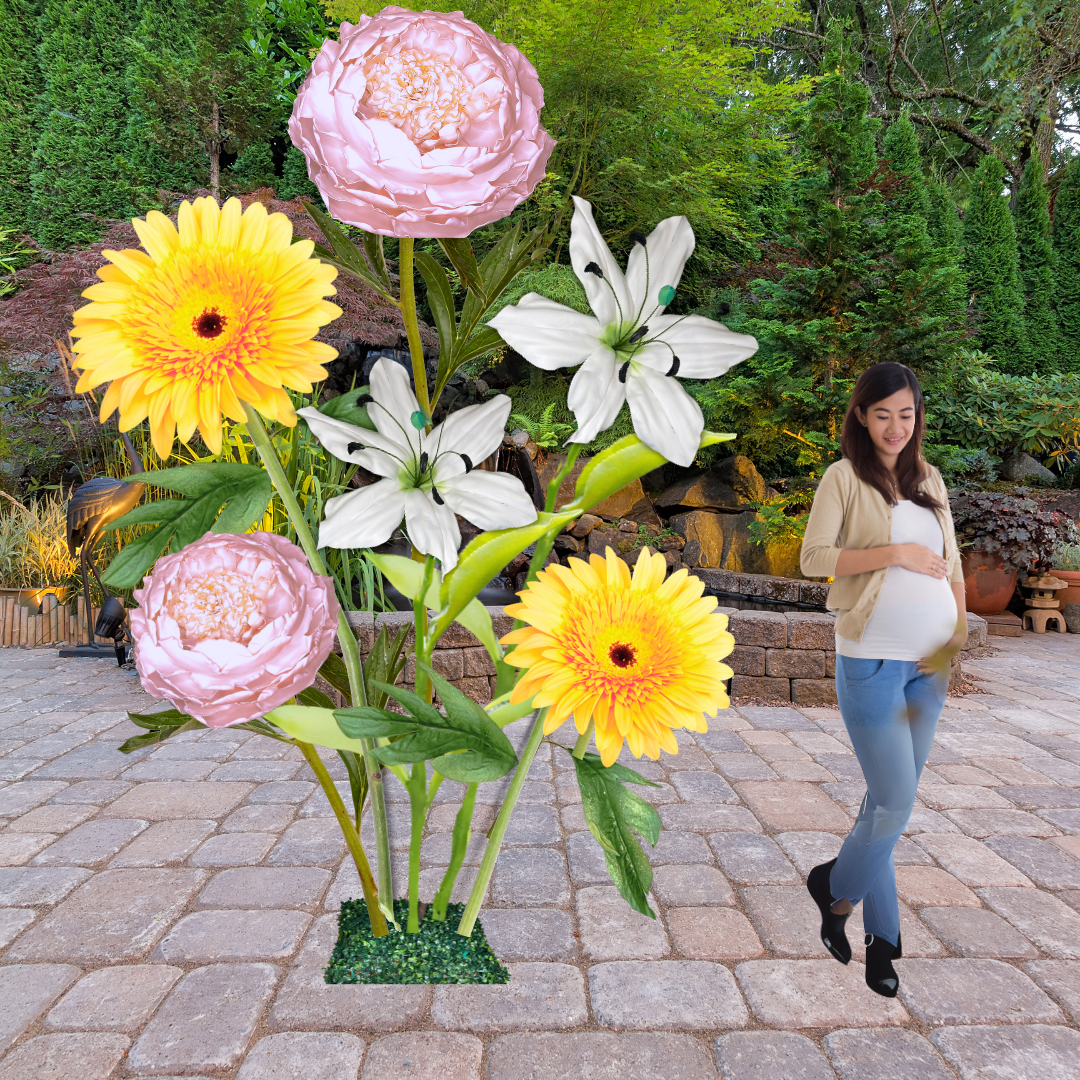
column 1071, row 595
column 988, row 586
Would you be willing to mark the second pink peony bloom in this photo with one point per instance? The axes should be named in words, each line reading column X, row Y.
column 421, row 124
column 232, row 626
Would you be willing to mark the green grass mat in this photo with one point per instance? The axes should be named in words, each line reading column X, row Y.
column 437, row 954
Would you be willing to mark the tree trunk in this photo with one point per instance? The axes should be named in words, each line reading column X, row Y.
column 214, row 148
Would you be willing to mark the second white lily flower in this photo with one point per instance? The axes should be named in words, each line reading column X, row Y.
column 427, row 476
column 629, row 350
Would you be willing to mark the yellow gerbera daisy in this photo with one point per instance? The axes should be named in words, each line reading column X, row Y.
column 219, row 312
column 639, row 656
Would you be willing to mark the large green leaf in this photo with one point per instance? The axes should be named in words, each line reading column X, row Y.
column 485, row 556
column 441, row 301
column 460, row 253
column 240, row 493
column 346, row 407
column 465, row 744
column 159, row 727
column 313, row 725
column 344, row 254
column 620, row 464
column 613, row 814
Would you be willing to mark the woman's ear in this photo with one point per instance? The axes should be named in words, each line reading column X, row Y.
column 860, row 415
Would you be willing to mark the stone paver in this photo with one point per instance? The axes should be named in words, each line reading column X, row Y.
column 216, row 852
column 304, row 1055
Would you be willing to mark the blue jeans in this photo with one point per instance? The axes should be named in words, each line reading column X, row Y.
column 891, row 713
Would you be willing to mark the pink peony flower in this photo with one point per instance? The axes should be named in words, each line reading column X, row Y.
column 232, row 626
column 421, row 124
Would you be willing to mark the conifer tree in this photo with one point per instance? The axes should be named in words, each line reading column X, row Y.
column 1066, row 240
column 991, row 262
column 20, row 83
column 946, row 234
column 79, row 175
column 902, row 156
column 1036, row 262
column 254, row 168
column 294, row 177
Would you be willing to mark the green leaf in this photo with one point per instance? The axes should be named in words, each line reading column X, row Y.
column 485, row 556
column 159, row 727
column 343, row 253
column 407, row 575
column 620, row 464
column 613, row 814
column 358, row 780
column 314, row 697
column 373, row 248
column 460, row 254
column 313, row 725
column 464, row 745
column 238, row 493
column 345, row 407
column 384, row 663
column 440, row 300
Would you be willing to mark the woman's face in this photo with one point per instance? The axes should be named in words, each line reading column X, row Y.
column 890, row 423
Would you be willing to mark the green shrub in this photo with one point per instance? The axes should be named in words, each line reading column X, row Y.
column 1066, row 557
column 962, row 468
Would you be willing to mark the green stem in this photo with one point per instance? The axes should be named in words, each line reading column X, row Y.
column 547, row 541
column 350, row 654
column 498, row 830
column 352, row 838
column 458, row 849
column 412, row 326
column 582, row 743
column 418, row 809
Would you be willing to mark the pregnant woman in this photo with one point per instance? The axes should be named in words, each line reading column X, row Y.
column 880, row 527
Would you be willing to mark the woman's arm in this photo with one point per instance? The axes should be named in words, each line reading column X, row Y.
column 915, row 557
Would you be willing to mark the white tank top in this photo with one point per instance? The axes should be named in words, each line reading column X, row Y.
column 915, row 614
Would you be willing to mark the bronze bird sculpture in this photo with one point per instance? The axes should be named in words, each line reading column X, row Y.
column 92, row 507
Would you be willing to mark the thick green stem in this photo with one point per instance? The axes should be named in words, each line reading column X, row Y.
column 460, row 845
column 412, row 326
column 498, row 830
column 582, row 743
column 418, row 808
column 352, row 838
column 350, row 654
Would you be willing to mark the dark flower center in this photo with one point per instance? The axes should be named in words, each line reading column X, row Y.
column 622, row 655
column 209, row 323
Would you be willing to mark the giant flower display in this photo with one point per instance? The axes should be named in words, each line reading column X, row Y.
column 220, row 309
column 420, row 125
column 232, row 626
column 638, row 656
column 629, row 349
column 428, row 477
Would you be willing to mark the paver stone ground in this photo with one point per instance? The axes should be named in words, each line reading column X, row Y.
column 114, row 998
column 424, row 1055
column 768, row 1055
column 884, row 1054
column 304, row 1055
column 85, row 1055
column 1032, row 1051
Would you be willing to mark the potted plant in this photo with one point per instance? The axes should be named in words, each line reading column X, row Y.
column 1066, row 565
column 1000, row 536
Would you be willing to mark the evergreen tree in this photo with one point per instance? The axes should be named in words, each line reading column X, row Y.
column 991, row 262
column 1066, row 238
column 902, row 155
column 946, row 234
column 1036, row 259
column 863, row 278
column 294, row 178
column 254, row 168
column 79, row 175
column 20, row 83
column 208, row 92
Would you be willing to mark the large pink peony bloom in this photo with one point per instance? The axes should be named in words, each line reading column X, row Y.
column 232, row 626
column 421, row 124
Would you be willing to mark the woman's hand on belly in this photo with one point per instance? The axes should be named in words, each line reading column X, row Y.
column 920, row 560
column 942, row 659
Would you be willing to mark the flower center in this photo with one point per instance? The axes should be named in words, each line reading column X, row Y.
column 621, row 654
column 208, row 323
column 426, row 95
column 223, row 605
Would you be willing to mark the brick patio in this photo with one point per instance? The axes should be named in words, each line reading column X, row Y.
column 169, row 913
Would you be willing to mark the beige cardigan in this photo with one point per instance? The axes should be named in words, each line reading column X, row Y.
column 850, row 513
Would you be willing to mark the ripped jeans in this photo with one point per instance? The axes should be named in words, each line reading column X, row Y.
column 891, row 713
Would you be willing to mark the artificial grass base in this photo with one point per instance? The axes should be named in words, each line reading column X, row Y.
column 437, row 954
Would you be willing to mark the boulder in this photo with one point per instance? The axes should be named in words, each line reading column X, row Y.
column 601, row 539
column 1022, row 466
column 704, row 536
column 732, row 485
column 744, row 557
column 585, row 525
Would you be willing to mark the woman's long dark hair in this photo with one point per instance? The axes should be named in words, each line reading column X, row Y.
column 875, row 384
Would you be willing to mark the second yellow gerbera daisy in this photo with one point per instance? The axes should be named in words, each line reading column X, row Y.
column 214, row 313
column 638, row 655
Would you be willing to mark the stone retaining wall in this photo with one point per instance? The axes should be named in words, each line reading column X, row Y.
column 778, row 656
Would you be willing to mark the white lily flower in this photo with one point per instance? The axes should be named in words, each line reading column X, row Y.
column 629, row 350
column 427, row 476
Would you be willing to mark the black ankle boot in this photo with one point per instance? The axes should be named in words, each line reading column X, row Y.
column 832, row 925
column 881, row 976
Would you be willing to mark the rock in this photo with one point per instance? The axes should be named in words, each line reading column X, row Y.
column 1072, row 617
column 704, row 535
column 1022, row 466
column 569, row 544
column 732, row 485
column 643, row 513
column 745, row 557
column 628, row 527
column 613, row 508
column 585, row 525
column 601, row 539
